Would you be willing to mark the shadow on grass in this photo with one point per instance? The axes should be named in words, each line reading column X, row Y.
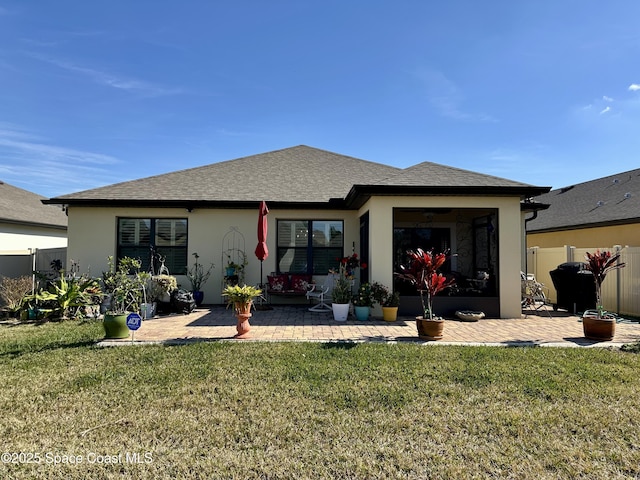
column 16, row 322
column 340, row 345
column 31, row 348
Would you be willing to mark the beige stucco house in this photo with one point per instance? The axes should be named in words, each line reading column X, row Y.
column 27, row 225
column 322, row 206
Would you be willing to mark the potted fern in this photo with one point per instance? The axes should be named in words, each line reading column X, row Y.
column 598, row 324
column 422, row 272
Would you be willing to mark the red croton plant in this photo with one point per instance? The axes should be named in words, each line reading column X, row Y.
column 422, row 271
column 601, row 263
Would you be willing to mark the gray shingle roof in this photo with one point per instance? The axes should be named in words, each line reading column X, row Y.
column 609, row 200
column 21, row 206
column 299, row 174
column 437, row 175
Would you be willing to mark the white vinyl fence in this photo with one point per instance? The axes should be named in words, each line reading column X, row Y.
column 621, row 288
column 24, row 262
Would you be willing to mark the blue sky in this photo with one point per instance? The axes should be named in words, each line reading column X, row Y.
column 97, row 92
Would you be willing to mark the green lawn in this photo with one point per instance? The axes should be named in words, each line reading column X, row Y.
column 311, row 410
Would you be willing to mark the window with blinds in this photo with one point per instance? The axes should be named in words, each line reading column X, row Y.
column 309, row 246
column 167, row 236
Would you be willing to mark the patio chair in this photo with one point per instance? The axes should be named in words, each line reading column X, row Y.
column 320, row 292
column 534, row 294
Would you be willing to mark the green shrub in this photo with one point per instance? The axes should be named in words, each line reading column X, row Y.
column 65, row 298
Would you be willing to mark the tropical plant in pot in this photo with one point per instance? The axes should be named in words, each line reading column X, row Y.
column 598, row 324
column 341, row 294
column 422, row 272
column 388, row 300
column 198, row 276
column 241, row 297
column 125, row 286
column 341, row 298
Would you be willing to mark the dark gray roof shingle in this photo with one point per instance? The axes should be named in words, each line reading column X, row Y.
column 609, row 200
column 437, row 175
column 21, row 206
column 299, row 174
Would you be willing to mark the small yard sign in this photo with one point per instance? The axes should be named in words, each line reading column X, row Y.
column 134, row 321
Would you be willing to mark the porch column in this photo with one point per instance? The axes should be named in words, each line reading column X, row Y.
column 380, row 244
column 510, row 251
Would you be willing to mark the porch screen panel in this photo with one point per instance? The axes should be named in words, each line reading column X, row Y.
column 438, row 239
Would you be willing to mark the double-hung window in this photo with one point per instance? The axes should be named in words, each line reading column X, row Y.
column 138, row 237
column 309, row 246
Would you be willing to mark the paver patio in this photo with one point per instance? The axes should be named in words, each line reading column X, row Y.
column 296, row 323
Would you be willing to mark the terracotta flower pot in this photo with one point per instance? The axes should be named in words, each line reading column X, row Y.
column 243, row 314
column 243, row 327
column 596, row 328
column 243, row 307
column 430, row 329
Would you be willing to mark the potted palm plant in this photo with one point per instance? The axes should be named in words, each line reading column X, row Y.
column 241, row 297
column 598, row 324
column 198, row 276
column 422, row 272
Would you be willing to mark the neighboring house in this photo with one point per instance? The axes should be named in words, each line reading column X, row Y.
column 26, row 225
column 599, row 213
column 322, row 206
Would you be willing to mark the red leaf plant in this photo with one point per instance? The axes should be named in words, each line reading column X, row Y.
column 348, row 265
column 422, row 272
column 600, row 263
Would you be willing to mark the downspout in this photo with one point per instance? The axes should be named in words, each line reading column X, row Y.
column 526, row 255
